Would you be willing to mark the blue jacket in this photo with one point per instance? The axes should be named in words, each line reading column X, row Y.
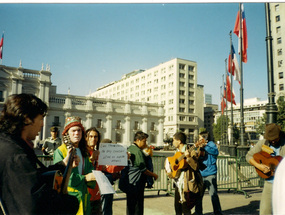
column 210, row 159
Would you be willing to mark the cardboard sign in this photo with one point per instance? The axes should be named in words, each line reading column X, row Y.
column 104, row 184
column 112, row 154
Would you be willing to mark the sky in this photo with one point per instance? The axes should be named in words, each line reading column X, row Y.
column 90, row 45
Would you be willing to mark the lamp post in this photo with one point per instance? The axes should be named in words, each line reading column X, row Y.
column 271, row 107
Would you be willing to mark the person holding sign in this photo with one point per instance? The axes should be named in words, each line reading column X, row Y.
column 112, row 173
column 137, row 174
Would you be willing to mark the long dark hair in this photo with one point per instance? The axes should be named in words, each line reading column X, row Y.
column 17, row 109
column 99, row 136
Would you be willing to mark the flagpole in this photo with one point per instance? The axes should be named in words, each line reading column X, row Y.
column 242, row 135
column 226, row 126
column 231, row 68
column 222, row 114
column 271, row 107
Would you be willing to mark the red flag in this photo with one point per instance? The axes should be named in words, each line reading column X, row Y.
column 1, row 46
column 241, row 31
column 228, row 94
column 223, row 105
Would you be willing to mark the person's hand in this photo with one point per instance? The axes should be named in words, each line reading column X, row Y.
column 90, row 177
column 129, row 155
column 95, row 155
column 155, row 176
column 265, row 169
column 76, row 160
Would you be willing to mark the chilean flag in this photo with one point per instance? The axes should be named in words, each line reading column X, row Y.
column 241, row 31
column 228, row 94
column 233, row 66
column 223, row 105
column 1, row 46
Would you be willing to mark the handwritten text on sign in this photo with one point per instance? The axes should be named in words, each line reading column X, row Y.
column 112, row 154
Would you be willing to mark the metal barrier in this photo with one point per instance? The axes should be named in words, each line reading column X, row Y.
column 233, row 174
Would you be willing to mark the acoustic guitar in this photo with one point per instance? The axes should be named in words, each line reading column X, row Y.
column 178, row 161
column 268, row 160
column 264, row 157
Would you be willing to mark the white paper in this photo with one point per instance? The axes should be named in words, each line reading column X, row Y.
column 104, row 184
column 112, row 154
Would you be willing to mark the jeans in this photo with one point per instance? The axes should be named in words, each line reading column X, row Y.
column 210, row 183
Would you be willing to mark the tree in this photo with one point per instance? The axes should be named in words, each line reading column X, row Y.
column 281, row 112
column 260, row 125
column 221, row 123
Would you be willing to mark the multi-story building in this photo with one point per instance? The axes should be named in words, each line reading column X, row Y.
column 115, row 119
column 277, row 16
column 210, row 111
column 254, row 109
column 172, row 84
column 208, row 99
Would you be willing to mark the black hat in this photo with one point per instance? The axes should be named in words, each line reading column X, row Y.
column 54, row 129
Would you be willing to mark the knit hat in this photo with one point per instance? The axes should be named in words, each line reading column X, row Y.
column 72, row 121
column 272, row 131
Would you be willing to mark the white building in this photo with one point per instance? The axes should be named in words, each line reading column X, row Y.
column 115, row 119
column 172, row 84
column 254, row 109
column 277, row 16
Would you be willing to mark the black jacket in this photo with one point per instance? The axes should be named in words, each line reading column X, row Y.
column 20, row 177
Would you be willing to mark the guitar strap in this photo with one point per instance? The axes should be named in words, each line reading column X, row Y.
column 3, row 207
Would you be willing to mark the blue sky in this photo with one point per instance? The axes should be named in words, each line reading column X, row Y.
column 90, row 45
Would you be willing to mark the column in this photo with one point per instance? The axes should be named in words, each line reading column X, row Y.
column 144, row 125
column 127, row 138
column 160, row 132
column 89, row 118
column 109, row 127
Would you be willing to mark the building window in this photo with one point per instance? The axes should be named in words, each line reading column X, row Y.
column 182, row 92
column 1, row 96
column 279, row 40
column 118, row 125
column 182, row 84
column 181, row 110
column 277, row 7
column 182, row 101
column 118, row 137
column 278, row 29
column 280, row 62
column 170, row 101
column 182, row 66
column 181, row 75
column 191, row 68
column 280, row 75
column 99, row 123
column 190, row 85
column 281, row 87
column 137, row 125
column 277, row 18
column 279, row 51
column 56, row 121
column 152, row 126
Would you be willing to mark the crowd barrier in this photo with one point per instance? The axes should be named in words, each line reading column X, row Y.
column 233, row 174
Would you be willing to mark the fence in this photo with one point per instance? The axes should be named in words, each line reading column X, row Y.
column 233, row 174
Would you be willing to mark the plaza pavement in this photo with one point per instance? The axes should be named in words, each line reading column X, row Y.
column 162, row 204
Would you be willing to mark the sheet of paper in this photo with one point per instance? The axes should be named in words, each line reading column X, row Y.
column 104, row 184
column 112, row 154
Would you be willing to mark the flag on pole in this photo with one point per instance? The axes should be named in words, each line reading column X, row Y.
column 228, row 94
column 241, row 32
column 1, row 46
column 223, row 105
column 233, row 66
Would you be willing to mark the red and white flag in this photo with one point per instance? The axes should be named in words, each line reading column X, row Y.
column 228, row 94
column 1, row 46
column 241, row 32
column 233, row 66
column 223, row 105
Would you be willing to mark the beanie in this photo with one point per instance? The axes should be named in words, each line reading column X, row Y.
column 72, row 121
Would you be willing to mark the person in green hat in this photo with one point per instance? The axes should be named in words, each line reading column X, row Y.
column 81, row 177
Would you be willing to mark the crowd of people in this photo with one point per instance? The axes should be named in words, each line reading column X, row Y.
column 25, row 186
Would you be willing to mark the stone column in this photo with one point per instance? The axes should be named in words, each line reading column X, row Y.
column 109, row 127
column 89, row 118
column 160, row 132
column 127, row 138
column 144, row 125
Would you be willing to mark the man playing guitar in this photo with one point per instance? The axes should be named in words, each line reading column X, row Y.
column 274, row 141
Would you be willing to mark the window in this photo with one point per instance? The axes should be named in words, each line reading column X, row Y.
column 137, row 125
column 278, row 29
column 118, row 137
column 191, row 102
column 56, row 121
column 181, row 75
column 182, row 84
column 281, row 87
column 118, row 125
column 99, row 123
column 277, row 18
column 279, row 51
column 152, row 127
column 280, row 75
column 1, row 96
column 191, row 77
column 279, row 40
column 190, row 85
column 182, row 92
column 182, row 110
column 280, row 62
column 182, row 66
column 170, row 101
column 191, row 68
column 277, row 7
column 181, row 101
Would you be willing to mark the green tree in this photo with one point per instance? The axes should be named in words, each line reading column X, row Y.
column 281, row 112
column 221, row 123
column 260, row 125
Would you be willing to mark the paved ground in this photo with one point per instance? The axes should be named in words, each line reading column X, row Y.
column 231, row 203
